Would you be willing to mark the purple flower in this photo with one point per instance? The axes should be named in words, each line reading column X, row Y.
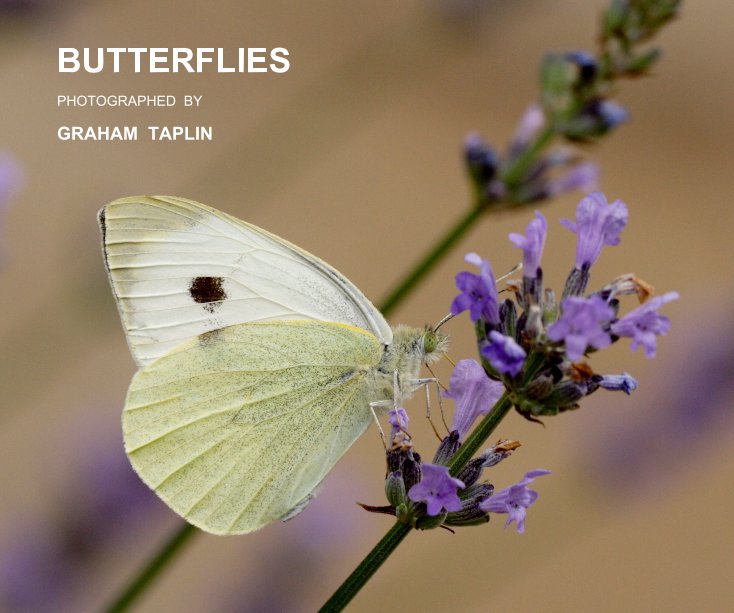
column 582, row 177
column 504, row 354
column 514, row 500
column 474, row 394
column 478, row 292
column 481, row 159
column 399, row 418
column 531, row 243
column 11, row 179
column 41, row 569
column 597, row 224
column 597, row 117
column 35, row 572
column 580, row 325
column 586, row 64
column 624, row 382
column 643, row 324
column 611, row 114
column 689, row 413
column 437, row 489
column 527, row 129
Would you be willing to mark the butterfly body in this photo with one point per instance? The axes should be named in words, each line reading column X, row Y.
column 258, row 361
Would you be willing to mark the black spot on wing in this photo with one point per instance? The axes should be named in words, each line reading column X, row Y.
column 208, row 291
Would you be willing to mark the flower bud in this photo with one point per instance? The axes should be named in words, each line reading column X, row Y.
column 411, row 470
column 597, row 117
column 534, row 322
column 494, row 455
column 470, row 473
column 540, row 387
column 447, row 448
column 428, row 522
column 586, row 65
column 395, row 489
column 550, row 307
column 403, row 514
column 481, row 159
column 394, row 458
column 577, row 281
column 568, row 392
column 470, row 513
column 508, row 317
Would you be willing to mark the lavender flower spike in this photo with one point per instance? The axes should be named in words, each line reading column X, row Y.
column 643, row 324
column 478, row 292
column 580, row 325
column 597, row 224
column 437, row 489
column 531, row 243
column 474, row 394
column 504, row 354
column 514, row 500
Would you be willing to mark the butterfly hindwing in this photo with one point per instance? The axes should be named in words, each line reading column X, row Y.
column 179, row 269
column 237, row 427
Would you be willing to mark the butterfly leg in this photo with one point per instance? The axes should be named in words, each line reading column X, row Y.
column 424, row 382
column 391, row 405
column 379, row 404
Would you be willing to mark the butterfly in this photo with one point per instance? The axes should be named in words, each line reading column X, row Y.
column 258, row 362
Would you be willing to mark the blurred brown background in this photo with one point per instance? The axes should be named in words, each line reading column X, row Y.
column 354, row 154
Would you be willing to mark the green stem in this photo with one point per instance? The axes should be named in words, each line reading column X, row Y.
column 480, row 434
column 421, row 268
column 366, row 568
column 152, row 568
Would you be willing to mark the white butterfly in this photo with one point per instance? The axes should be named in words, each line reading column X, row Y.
column 258, row 361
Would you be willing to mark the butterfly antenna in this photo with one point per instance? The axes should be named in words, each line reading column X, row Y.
column 443, row 321
column 395, row 388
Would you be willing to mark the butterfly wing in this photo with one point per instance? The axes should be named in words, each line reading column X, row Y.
column 235, row 428
column 179, row 268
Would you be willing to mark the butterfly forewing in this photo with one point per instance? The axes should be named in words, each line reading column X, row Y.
column 179, row 269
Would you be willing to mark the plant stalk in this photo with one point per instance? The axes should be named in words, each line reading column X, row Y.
column 452, row 236
column 478, row 438
column 150, row 571
column 366, row 568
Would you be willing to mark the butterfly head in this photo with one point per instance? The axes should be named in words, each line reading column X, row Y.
column 433, row 344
